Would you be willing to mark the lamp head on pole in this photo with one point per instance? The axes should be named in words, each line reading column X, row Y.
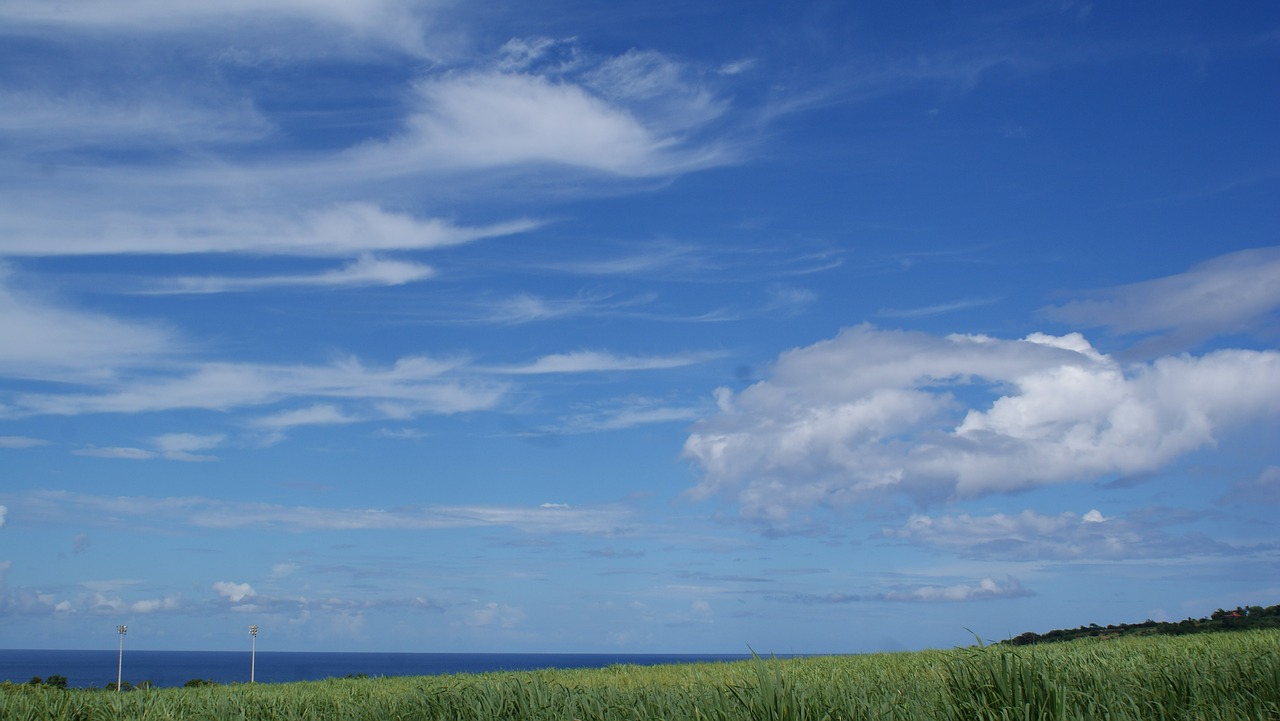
column 122, row 630
column 253, row 630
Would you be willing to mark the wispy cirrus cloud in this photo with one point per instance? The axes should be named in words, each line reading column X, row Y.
column 597, row 361
column 62, row 343
column 492, row 119
column 170, row 446
column 1064, row 537
column 366, row 271
column 190, row 512
column 1234, row 293
column 343, row 229
column 21, row 442
column 356, row 25
column 420, row 381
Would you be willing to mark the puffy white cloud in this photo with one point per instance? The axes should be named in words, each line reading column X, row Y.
column 234, row 592
column 873, row 411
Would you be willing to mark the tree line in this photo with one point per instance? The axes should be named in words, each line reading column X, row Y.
column 1238, row 619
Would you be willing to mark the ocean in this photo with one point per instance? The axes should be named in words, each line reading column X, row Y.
column 95, row 669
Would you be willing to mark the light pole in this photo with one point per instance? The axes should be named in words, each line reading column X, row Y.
column 253, row 650
column 122, row 630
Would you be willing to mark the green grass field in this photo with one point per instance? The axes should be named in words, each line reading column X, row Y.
column 1211, row 676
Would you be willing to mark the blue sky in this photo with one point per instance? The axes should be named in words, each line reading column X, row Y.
column 655, row 327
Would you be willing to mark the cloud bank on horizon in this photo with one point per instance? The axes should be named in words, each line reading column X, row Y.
column 399, row 325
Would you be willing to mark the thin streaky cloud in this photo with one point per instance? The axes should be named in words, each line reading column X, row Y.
column 195, row 512
column 1223, row 295
column 344, row 229
column 366, row 271
column 596, row 362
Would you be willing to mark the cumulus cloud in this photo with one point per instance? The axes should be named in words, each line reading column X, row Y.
column 871, row 412
column 234, row 592
column 1230, row 294
column 985, row 589
column 1065, row 537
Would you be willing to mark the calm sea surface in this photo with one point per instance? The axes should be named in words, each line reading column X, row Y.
column 96, row 669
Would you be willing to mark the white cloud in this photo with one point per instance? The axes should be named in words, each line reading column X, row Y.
column 1228, row 294
column 132, row 454
column 321, row 414
column 153, row 605
column 234, row 592
column 284, row 570
column 1264, row 488
column 171, row 446
column 21, row 442
column 415, row 384
column 397, row 24
column 1032, row 536
column 493, row 614
column 365, row 271
column 484, row 119
column 343, row 229
column 594, row 361
column 872, row 412
column 985, row 589
column 46, row 124
column 85, row 510
column 65, row 344
column 184, row 442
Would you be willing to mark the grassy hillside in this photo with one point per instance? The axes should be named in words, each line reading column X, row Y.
column 1207, row 676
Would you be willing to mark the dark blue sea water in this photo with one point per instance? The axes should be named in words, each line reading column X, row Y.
column 95, row 669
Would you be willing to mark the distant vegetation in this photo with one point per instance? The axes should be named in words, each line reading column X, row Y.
column 1208, row 677
column 1240, row 619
